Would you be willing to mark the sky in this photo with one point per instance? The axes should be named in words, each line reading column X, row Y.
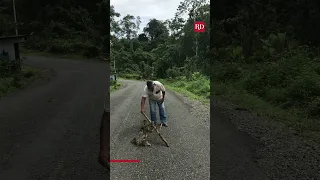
column 146, row 9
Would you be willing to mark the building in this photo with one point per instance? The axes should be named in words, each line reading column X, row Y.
column 113, row 77
column 9, row 47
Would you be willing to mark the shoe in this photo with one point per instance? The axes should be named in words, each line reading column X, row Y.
column 146, row 143
column 165, row 124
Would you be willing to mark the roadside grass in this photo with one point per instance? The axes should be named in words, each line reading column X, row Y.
column 29, row 52
column 197, row 87
column 285, row 88
column 72, row 56
column 131, row 76
column 15, row 82
column 291, row 117
column 115, row 85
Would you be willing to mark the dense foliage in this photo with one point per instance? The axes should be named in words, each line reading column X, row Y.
column 166, row 48
column 60, row 27
column 269, row 49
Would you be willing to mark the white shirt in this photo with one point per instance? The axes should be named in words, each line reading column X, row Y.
column 156, row 94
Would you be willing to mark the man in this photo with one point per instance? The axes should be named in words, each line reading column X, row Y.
column 155, row 92
column 104, row 155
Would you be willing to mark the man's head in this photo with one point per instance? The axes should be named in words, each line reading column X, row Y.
column 150, row 85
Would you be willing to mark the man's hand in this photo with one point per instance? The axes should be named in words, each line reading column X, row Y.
column 104, row 155
column 142, row 111
column 163, row 95
column 143, row 101
column 104, row 161
column 162, row 100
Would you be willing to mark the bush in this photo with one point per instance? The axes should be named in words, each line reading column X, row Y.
column 113, row 82
column 130, row 76
column 291, row 80
column 173, row 73
column 6, row 85
column 64, row 46
column 314, row 107
column 275, row 95
column 8, row 68
column 91, row 51
column 304, row 88
column 197, row 84
column 28, row 73
column 228, row 72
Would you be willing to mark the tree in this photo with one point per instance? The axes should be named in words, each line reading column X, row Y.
column 156, row 29
column 129, row 27
column 143, row 37
column 158, row 53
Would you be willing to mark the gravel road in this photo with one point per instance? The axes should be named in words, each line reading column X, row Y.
column 188, row 157
column 50, row 131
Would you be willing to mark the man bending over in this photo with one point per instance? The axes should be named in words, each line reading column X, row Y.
column 155, row 92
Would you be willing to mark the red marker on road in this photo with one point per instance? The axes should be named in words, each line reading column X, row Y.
column 124, row 161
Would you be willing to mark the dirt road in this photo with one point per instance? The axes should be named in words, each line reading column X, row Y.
column 51, row 131
column 188, row 133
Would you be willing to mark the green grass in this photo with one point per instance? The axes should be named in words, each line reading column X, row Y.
column 290, row 117
column 115, row 85
column 130, row 76
column 194, row 89
column 285, row 88
column 48, row 54
column 19, row 81
column 28, row 52
column 197, row 87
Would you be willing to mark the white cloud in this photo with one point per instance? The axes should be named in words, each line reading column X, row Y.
column 146, row 9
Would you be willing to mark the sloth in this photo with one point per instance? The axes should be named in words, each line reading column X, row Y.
column 146, row 129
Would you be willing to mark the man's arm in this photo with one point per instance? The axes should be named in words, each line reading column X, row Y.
column 104, row 133
column 143, row 99
column 163, row 89
column 104, row 156
column 143, row 102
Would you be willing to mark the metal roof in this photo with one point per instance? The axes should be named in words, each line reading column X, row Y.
column 12, row 37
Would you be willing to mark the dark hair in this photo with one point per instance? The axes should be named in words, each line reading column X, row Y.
column 149, row 83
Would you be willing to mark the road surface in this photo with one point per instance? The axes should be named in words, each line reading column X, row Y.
column 188, row 156
column 50, row 132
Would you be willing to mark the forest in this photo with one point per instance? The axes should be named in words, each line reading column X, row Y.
column 266, row 57
column 60, row 27
column 75, row 28
column 166, row 49
column 262, row 54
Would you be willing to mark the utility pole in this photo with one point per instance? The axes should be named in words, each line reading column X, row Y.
column 16, row 45
column 114, row 64
column 114, row 67
column 15, row 16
